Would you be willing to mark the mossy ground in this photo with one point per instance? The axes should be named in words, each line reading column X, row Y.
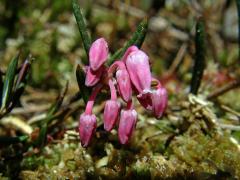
column 194, row 148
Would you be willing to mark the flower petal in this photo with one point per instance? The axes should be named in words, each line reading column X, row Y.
column 127, row 124
column 110, row 115
column 98, row 53
column 93, row 77
column 139, row 70
column 87, row 127
column 124, row 84
column 159, row 101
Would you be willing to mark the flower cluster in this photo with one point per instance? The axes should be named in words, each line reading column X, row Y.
column 130, row 74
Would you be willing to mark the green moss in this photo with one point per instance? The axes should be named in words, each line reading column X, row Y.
column 198, row 148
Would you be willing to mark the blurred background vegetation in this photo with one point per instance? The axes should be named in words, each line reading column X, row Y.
column 48, row 31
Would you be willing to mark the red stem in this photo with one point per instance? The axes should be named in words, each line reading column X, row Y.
column 112, row 90
column 92, row 98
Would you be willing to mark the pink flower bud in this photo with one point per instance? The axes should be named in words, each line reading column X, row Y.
column 98, row 53
column 93, row 77
column 124, row 84
column 87, row 127
column 127, row 124
column 159, row 101
column 139, row 70
column 128, row 51
column 110, row 115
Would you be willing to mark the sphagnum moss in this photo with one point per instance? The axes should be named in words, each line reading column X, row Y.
column 198, row 151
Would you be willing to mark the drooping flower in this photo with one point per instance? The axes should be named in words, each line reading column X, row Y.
column 87, row 127
column 111, row 109
column 110, row 115
column 124, row 84
column 139, row 70
column 98, row 53
column 159, row 101
column 154, row 100
column 88, row 121
column 127, row 124
column 123, row 80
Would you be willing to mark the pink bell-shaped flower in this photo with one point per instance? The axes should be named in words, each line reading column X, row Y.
column 93, row 77
column 110, row 115
column 98, row 53
column 139, row 70
column 127, row 123
column 88, row 121
column 154, row 100
column 87, row 127
column 111, row 109
column 159, row 101
column 124, row 84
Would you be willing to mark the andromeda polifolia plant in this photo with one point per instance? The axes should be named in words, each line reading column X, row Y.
column 125, row 77
column 124, row 74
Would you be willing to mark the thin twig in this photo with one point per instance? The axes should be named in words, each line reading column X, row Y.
column 230, row 110
column 224, row 89
column 179, row 57
column 177, row 60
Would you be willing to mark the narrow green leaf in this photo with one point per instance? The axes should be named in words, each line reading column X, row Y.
column 9, row 82
column 238, row 9
column 84, row 90
column 199, row 63
column 82, row 27
column 42, row 136
column 136, row 39
column 20, row 84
